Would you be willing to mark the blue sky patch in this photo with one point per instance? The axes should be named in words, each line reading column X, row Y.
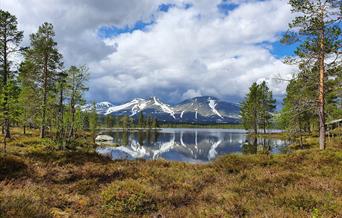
column 280, row 50
column 110, row 31
column 225, row 7
column 166, row 7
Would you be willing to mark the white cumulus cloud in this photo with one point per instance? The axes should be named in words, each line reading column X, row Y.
column 184, row 52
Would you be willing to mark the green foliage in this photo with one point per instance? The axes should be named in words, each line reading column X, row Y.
column 93, row 121
column 29, row 102
column 299, row 113
column 47, row 60
column 50, row 96
column 141, row 120
column 317, row 30
column 75, row 88
column 257, row 107
column 109, row 120
column 10, row 38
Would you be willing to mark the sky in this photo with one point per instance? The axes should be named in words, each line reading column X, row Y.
column 172, row 49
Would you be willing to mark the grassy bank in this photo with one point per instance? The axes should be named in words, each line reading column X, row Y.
column 37, row 180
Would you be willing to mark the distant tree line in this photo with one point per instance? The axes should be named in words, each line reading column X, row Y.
column 126, row 122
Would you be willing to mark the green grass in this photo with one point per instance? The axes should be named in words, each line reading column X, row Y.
column 37, row 180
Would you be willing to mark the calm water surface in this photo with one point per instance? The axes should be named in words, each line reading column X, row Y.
column 187, row 145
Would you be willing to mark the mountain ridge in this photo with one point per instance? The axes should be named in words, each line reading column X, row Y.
column 202, row 109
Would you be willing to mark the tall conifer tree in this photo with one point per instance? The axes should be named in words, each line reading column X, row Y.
column 10, row 38
column 44, row 54
column 317, row 29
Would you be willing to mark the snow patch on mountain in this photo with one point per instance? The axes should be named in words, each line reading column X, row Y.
column 164, row 107
column 141, row 105
column 121, row 107
column 212, row 105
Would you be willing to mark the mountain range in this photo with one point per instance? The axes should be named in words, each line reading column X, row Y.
column 205, row 109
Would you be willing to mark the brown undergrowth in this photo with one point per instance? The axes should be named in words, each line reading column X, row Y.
column 38, row 180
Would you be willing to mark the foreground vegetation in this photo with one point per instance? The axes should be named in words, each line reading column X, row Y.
column 38, row 180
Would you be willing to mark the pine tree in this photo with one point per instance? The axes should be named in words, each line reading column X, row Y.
column 44, row 54
column 10, row 39
column 141, row 120
column 93, row 121
column 257, row 108
column 77, row 77
column 124, row 122
column 317, row 28
column 109, row 121
column 61, row 86
column 154, row 123
column 297, row 114
column 267, row 106
column 28, row 98
column 249, row 109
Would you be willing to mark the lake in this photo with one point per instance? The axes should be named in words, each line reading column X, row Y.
column 186, row 145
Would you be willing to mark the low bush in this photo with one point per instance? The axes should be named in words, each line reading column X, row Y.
column 131, row 197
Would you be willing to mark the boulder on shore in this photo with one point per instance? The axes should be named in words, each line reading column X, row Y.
column 103, row 138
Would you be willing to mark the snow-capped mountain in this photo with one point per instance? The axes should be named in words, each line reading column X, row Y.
column 101, row 107
column 204, row 109
column 207, row 109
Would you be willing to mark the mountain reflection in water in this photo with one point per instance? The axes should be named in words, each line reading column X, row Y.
column 187, row 145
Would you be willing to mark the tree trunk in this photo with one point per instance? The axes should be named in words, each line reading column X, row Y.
column 255, row 122
column 5, row 145
column 7, row 133
column 72, row 111
column 43, row 126
column 321, row 102
column 60, row 133
column 264, row 126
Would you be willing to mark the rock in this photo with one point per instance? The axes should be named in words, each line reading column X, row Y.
column 103, row 138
